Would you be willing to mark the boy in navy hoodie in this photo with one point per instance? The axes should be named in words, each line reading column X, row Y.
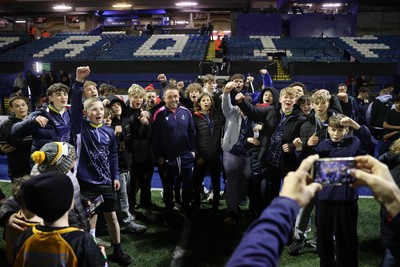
column 337, row 205
column 97, row 163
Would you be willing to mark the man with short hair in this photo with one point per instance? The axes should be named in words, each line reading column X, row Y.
column 174, row 146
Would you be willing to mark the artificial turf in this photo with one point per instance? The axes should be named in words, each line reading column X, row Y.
column 208, row 242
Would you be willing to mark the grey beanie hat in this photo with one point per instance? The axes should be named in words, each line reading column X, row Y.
column 54, row 156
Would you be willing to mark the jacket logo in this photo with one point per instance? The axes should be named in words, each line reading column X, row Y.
column 183, row 117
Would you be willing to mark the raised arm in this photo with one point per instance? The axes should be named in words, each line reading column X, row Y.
column 256, row 114
column 76, row 102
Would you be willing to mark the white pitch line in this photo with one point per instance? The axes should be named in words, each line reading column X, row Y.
column 180, row 249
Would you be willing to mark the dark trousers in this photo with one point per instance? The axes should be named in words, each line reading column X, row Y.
column 215, row 167
column 141, row 175
column 273, row 184
column 257, row 191
column 339, row 220
column 169, row 174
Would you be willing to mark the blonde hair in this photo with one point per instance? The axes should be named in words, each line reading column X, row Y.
column 395, row 147
column 290, row 91
column 89, row 83
column 89, row 102
column 322, row 95
column 136, row 89
column 208, row 77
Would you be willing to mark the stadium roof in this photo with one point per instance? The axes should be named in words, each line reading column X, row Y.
column 45, row 7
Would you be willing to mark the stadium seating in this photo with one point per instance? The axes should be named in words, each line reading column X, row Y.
column 111, row 46
column 118, row 46
column 10, row 40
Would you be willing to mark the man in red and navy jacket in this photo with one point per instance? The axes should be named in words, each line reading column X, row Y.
column 174, row 140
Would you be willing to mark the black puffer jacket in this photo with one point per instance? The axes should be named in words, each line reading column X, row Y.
column 209, row 134
column 390, row 232
column 19, row 160
column 138, row 137
column 124, row 156
column 274, row 93
column 312, row 125
column 271, row 117
column 53, row 131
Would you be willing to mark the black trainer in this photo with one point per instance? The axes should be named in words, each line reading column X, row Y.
column 295, row 247
column 121, row 258
column 312, row 242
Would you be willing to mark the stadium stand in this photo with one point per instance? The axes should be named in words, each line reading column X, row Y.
column 11, row 40
column 116, row 45
column 111, row 46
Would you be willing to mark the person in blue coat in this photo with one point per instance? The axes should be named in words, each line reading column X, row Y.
column 337, row 205
column 275, row 222
column 264, row 241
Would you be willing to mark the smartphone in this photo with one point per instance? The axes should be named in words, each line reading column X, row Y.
column 333, row 171
column 94, row 204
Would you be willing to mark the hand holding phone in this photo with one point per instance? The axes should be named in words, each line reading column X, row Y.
column 333, row 171
column 93, row 205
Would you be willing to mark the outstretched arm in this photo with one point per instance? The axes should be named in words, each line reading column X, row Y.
column 275, row 222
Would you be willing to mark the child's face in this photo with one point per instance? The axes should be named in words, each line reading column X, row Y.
column 287, row 102
column 337, row 134
column 342, row 89
column 268, row 97
column 95, row 113
column 180, row 85
column 116, row 107
column 151, row 99
column 90, row 91
column 193, row 95
column 320, row 107
column 364, row 95
column 205, row 103
column 59, row 99
column 19, row 108
column 397, row 106
column 107, row 120
column 238, row 84
column 210, row 85
column 136, row 101
column 306, row 108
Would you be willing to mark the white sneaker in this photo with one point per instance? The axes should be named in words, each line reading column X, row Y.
column 204, row 193
column 210, row 197
column 149, row 214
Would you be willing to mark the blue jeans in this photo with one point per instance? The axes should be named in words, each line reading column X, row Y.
column 238, row 173
column 389, row 259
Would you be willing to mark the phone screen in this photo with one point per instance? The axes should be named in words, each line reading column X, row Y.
column 333, row 171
